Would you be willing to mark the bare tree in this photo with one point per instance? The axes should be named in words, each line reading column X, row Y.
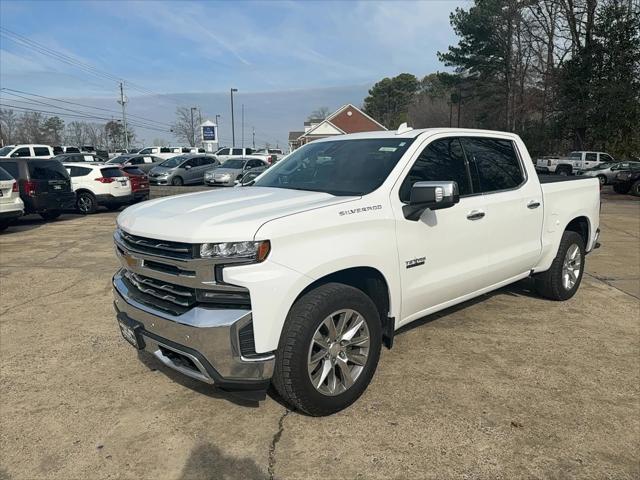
column 76, row 134
column 184, row 128
column 319, row 113
column 8, row 126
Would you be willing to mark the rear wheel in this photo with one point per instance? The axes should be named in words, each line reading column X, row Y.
column 562, row 280
column 86, row 203
column 50, row 215
column 177, row 181
column 635, row 189
column 329, row 349
column 603, row 179
column 622, row 188
column 564, row 171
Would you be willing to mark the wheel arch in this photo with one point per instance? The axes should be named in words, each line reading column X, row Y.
column 582, row 226
column 84, row 190
column 372, row 283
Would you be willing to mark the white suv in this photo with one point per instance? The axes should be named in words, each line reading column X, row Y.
column 30, row 150
column 99, row 185
column 11, row 206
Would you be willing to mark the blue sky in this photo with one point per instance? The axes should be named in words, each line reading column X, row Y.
column 208, row 47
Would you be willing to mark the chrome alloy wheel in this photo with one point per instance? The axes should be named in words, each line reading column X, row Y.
column 338, row 352
column 571, row 267
column 84, row 204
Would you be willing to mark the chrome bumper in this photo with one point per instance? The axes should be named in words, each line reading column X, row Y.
column 208, row 338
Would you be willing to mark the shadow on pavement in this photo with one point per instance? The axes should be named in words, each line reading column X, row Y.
column 206, row 461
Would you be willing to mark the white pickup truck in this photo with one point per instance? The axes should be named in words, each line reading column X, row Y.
column 300, row 278
column 574, row 162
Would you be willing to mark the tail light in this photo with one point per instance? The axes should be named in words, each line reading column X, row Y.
column 29, row 187
column 104, row 179
column 14, row 188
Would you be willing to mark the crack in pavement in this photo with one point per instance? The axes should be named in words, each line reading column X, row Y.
column 604, row 280
column 274, row 442
column 13, row 307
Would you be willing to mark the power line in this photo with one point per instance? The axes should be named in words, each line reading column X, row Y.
column 68, row 102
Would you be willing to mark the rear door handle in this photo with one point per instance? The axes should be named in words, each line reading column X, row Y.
column 475, row 215
column 533, row 204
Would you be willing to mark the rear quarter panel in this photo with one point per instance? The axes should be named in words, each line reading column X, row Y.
column 564, row 202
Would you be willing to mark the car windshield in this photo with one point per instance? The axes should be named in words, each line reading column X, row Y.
column 4, row 151
column 234, row 163
column 338, row 167
column 174, row 161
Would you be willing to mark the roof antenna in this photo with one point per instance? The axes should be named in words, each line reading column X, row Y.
column 403, row 128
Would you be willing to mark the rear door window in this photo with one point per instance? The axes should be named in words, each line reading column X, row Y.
column 591, row 157
column 237, row 151
column 79, row 171
column 47, row 170
column 496, row 163
column 41, row 152
column 58, row 150
column 441, row 160
column 224, row 151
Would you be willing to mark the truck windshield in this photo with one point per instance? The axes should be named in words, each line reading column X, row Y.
column 338, row 167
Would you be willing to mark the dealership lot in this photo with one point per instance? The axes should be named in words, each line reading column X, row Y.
column 506, row 386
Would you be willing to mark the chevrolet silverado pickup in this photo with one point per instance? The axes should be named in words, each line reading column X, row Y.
column 298, row 280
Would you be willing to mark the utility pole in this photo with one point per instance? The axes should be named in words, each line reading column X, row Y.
column 253, row 134
column 243, row 126
column 233, row 123
column 123, row 101
column 193, row 128
column 200, row 127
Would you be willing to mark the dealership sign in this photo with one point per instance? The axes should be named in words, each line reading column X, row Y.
column 209, row 133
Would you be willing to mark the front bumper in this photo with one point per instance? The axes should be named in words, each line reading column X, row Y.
column 212, row 182
column 202, row 343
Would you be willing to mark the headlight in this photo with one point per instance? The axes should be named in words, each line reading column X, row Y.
column 256, row 251
column 225, row 176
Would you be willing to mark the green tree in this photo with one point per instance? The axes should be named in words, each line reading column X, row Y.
column 389, row 99
column 53, row 128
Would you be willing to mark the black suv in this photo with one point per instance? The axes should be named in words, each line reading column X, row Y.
column 45, row 185
column 628, row 180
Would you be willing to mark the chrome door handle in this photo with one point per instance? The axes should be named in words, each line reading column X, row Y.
column 533, row 204
column 475, row 215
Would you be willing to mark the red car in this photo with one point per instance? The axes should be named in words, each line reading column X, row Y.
column 139, row 183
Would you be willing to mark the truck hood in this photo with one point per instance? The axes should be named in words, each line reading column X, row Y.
column 224, row 215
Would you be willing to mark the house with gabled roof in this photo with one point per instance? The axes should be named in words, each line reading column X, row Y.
column 347, row 119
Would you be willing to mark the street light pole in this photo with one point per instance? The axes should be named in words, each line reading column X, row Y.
column 193, row 128
column 243, row 127
column 233, row 125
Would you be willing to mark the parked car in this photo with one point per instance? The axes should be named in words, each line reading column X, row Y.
column 628, row 180
column 100, row 153
column 143, row 162
column 27, row 150
column 232, row 170
column 162, row 152
column 139, row 182
column 299, row 280
column 225, row 153
column 77, row 157
column 605, row 172
column 248, row 178
column 99, row 184
column 44, row 184
column 182, row 170
column 11, row 205
column 269, row 155
column 60, row 149
column 573, row 163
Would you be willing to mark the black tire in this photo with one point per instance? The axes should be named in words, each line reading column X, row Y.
column 549, row 284
column 622, row 188
column 86, row 203
column 177, row 181
column 291, row 377
column 603, row 179
column 635, row 189
column 113, row 207
column 50, row 215
column 563, row 171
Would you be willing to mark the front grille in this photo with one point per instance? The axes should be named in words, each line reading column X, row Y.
column 170, row 269
column 166, row 296
column 158, row 247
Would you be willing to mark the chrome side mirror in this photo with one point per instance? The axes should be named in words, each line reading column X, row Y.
column 432, row 196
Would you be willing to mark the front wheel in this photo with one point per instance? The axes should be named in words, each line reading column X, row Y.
column 177, row 181
column 622, row 188
column 329, row 349
column 50, row 215
column 562, row 280
column 635, row 189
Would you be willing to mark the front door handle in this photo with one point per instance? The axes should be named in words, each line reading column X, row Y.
column 533, row 204
column 475, row 215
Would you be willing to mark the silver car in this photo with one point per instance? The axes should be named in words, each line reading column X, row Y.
column 606, row 172
column 182, row 170
column 232, row 170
